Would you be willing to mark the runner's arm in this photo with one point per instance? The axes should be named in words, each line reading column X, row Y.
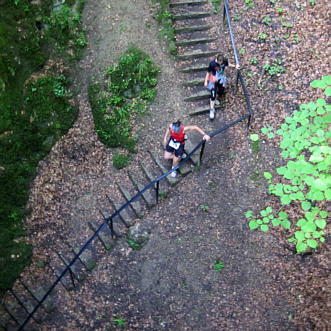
column 196, row 128
column 165, row 139
column 206, row 79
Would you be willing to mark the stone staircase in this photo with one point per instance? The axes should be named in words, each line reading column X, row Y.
column 20, row 301
column 195, row 38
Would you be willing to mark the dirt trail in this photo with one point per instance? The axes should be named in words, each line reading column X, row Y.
column 171, row 283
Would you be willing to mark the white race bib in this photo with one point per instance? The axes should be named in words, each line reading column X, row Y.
column 174, row 144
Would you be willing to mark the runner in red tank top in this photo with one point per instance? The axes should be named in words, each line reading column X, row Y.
column 174, row 146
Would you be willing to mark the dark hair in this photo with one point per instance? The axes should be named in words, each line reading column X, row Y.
column 220, row 58
column 178, row 123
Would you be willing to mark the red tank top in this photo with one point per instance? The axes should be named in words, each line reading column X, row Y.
column 178, row 136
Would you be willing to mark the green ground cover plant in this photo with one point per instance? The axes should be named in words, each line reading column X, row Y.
column 249, row 3
column 255, row 142
column 65, row 32
column 274, row 68
column 216, row 4
column 34, row 115
column 165, row 21
column 124, row 96
column 121, row 161
column 305, row 178
column 218, row 265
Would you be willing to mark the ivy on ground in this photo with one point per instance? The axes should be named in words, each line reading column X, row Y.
column 306, row 180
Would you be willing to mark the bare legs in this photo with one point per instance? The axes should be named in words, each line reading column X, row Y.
column 171, row 156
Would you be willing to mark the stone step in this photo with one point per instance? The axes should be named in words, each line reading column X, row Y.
column 185, row 168
column 196, row 54
column 196, row 156
column 172, row 181
column 104, row 235
column 202, row 110
column 151, row 177
column 198, row 96
column 188, row 42
column 147, row 195
column 190, row 15
column 123, row 215
column 193, row 28
column 87, row 257
column 191, row 83
column 135, row 204
column 194, row 69
column 23, row 297
column 6, row 321
column 16, row 311
column 49, row 303
column 189, row 2
column 66, row 280
column 117, row 223
column 146, row 172
column 77, row 268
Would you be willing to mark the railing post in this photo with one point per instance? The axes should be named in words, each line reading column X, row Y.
column 224, row 14
column 202, row 149
column 72, row 277
column 157, row 191
column 111, row 226
column 249, row 122
column 237, row 81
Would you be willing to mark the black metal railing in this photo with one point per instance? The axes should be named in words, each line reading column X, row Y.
column 226, row 14
column 155, row 184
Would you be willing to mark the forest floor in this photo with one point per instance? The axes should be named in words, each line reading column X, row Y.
column 171, row 283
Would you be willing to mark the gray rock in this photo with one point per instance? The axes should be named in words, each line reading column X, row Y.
column 138, row 235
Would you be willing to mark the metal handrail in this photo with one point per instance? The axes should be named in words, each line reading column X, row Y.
column 239, row 75
column 154, row 183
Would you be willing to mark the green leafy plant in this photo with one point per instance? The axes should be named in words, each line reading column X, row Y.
column 204, row 208
column 216, row 5
column 263, row 36
column 249, row 3
column 218, row 265
column 164, row 19
column 135, row 246
column 279, row 10
column 267, row 20
column 286, row 25
column 64, row 29
column 253, row 60
column 274, row 68
column 116, row 105
column 34, row 114
column 237, row 17
column 121, row 161
column 163, row 195
column 255, row 142
column 242, row 51
column 268, row 131
column 118, row 322
column 306, row 180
